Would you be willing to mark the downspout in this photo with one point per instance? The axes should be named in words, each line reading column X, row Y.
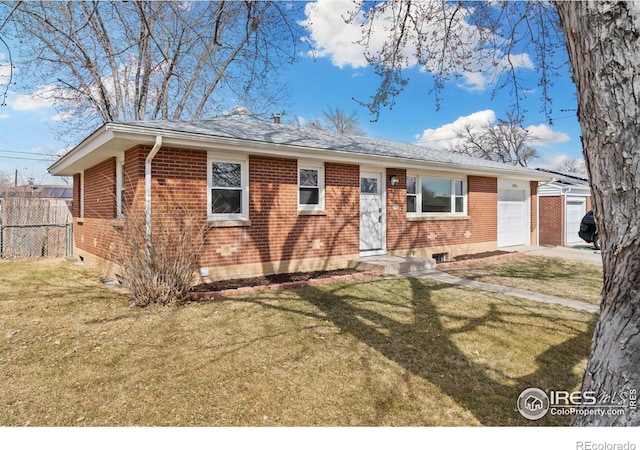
column 553, row 180
column 147, row 185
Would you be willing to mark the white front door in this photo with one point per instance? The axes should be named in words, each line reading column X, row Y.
column 372, row 214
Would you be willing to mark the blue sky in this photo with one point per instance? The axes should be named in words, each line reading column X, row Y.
column 332, row 79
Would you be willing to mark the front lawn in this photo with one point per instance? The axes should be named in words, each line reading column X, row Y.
column 385, row 351
column 552, row 276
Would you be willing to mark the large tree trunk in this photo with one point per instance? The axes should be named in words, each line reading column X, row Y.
column 604, row 49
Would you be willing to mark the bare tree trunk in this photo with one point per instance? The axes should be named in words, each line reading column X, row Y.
column 604, row 49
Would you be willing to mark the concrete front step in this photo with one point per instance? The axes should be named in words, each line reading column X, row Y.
column 393, row 264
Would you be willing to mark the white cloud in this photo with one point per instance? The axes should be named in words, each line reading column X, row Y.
column 62, row 151
column 63, row 116
column 40, row 99
column 4, row 116
column 555, row 161
column 485, row 73
column 331, row 37
column 473, row 82
column 544, row 136
column 445, row 136
column 5, row 71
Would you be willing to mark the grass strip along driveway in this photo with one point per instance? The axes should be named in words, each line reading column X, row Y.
column 547, row 275
column 383, row 351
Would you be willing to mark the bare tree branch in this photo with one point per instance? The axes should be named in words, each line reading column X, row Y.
column 338, row 121
column 147, row 60
column 506, row 142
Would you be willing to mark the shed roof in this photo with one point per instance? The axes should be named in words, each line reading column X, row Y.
column 38, row 191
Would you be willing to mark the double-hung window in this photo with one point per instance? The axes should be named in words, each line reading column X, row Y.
column 412, row 194
column 310, row 186
column 435, row 196
column 228, row 188
column 120, row 186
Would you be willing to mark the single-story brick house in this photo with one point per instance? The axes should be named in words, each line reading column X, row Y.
column 279, row 198
column 563, row 204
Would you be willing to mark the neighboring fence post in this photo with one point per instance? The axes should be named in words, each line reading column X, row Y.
column 1, row 241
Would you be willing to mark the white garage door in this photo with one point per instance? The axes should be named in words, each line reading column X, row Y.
column 511, row 217
column 575, row 211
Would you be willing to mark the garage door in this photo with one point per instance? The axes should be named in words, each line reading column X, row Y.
column 511, row 217
column 575, row 211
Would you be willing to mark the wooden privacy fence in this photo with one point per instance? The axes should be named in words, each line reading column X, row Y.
column 35, row 227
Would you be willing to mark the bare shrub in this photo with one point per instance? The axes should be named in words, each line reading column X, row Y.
column 159, row 262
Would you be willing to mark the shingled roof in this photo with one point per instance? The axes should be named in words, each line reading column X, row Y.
column 116, row 137
column 295, row 136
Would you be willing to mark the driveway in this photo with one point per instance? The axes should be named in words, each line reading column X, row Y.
column 582, row 253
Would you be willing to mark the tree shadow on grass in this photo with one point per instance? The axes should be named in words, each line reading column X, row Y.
column 539, row 268
column 426, row 347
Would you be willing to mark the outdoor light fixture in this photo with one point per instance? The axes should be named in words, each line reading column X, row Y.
column 394, row 180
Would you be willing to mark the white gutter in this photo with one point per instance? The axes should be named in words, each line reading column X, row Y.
column 553, row 180
column 147, row 183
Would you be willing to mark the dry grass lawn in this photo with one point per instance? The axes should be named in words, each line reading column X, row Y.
column 552, row 276
column 385, row 351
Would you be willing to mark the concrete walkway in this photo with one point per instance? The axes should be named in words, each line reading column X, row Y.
column 581, row 253
column 425, row 268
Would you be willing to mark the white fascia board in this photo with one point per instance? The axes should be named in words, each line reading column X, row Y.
column 97, row 139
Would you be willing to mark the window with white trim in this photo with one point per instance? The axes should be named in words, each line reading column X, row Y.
column 228, row 188
column 310, row 186
column 81, row 195
column 412, row 195
column 120, row 186
column 434, row 196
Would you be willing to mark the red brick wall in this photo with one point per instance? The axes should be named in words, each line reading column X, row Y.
column 533, row 211
column 100, row 190
column 77, row 189
column 551, row 220
column 480, row 226
column 277, row 231
column 134, row 177
column 483, row 208
column 179, row 177
column 95, row 234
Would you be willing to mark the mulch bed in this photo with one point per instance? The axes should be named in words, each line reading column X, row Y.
column 269, row 279
column 481, row 255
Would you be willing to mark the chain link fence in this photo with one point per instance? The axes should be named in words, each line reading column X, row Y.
column 34, row 227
